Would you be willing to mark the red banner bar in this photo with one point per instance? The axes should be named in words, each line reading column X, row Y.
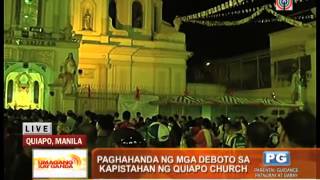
column 108, row 163
column 55, row 141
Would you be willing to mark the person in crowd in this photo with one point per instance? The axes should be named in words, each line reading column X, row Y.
column 91, row 132
column 142, row 127
column 258, row 134
column 140, row 123
column 138, row 115
column 175, row 132
column 176, row 117
column 22, row 164
column 71, row 121
column 158, row 135
column 86, row 118
column 116, row 120
column 205, row 137
column 163, row 120
column 61, row 127
column 116, row 116
column 104, row 128
column 274, row 137
column 215, row 129
column 183, row 119
column 298, row 129
column 78, row 122
column 235, row 139
column 133, row 122
column 244, row 125
column 11, row 144
column 190, row 129
column 187, row 140
column 126, row 116
column 224, row 130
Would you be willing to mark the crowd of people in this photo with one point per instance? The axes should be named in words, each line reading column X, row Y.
column 297, row 129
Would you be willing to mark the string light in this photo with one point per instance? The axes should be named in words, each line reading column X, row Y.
column 225, row 6
column 306, row 17
column 247, row 11
column 279, row 18
column 216, row 9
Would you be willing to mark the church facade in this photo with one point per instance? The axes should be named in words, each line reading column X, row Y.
column 64, row 55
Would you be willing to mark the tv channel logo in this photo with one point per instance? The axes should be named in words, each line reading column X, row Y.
column 59, row 163
column 276, row 158
column 284, row 5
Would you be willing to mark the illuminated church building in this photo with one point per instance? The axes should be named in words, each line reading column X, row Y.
column 59, row 52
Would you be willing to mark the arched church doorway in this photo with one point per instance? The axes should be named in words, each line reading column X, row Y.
column 24, row 90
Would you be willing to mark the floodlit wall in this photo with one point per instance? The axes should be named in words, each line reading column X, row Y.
column 205, row 90
column 120, row 59
column 110, row 60
column 290, row 44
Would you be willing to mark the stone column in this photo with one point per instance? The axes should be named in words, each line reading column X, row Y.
column 103, row 76
column 48, row 15
column 55, row 16
column 64, row 13
column 104, row 17
column 8, row 11
column 68, row 12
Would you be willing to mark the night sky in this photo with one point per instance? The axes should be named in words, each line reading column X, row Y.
column 209, row 43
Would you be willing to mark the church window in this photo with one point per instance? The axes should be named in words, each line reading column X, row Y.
column 36, row 92
column 113, row 12
column 10, row 91
column 155, row 21
column 137, row 18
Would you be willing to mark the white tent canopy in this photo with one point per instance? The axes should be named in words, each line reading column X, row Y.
column 182, row 100
column 230, row 100
column 275, row 103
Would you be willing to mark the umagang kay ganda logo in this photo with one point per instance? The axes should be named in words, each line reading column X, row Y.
column 73, row 161
column 59, row 163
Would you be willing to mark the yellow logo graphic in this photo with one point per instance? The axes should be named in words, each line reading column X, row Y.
column 76, row 159
column 73, row 161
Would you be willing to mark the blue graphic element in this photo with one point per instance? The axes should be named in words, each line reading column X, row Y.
column 276, row 158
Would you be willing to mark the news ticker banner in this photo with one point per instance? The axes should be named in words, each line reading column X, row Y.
column 196, row 163
column 39, row 134
column 60, row 163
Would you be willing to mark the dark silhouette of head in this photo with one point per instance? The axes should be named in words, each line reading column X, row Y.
column 126, row 116
column 258, row 134
column 206, row 123
column 106, row 122
column 299, row 130
column 116, row 115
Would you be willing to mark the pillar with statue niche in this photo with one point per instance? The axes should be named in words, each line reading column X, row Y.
column 69, row 84
column 64, row 88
